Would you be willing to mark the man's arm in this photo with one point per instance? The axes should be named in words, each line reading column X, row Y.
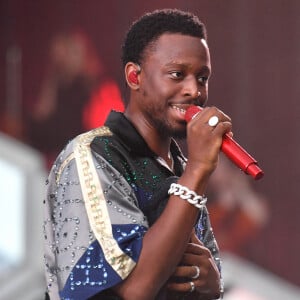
column 166, row 240
column 208, row 283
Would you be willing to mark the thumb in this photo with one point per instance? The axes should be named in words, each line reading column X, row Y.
column 195, row 239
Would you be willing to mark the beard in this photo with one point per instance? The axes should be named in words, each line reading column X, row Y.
column 165, row 128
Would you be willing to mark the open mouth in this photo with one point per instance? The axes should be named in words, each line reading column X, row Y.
column 181, row 108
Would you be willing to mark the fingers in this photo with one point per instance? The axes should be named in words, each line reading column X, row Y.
column 197, row 271
column 204, row 138
column 204, row 261
column 230, row 133
column 192, row 272
column 183, row 287
column 191, row 286
column 209, row 112
column 206, row 280
column 215, row 119
column 196, row 246
column 218, row 121
column 196, row 249
column 195, row 239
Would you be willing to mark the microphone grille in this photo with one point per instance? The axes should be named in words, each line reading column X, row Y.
column 191, row 112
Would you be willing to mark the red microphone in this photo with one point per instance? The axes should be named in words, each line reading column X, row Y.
column 232, row 150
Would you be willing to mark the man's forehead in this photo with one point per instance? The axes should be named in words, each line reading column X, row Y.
column 175, row 40
column 175, row 46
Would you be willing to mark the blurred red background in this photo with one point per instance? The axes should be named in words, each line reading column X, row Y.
column 255, row 49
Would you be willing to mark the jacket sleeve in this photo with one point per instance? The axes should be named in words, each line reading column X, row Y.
column 93, row 227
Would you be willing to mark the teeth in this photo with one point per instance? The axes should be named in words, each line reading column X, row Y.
column 179, row 109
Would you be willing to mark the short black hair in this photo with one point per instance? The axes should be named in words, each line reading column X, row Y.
column 152, row 25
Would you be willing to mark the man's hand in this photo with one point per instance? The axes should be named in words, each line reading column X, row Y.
column 207, row 284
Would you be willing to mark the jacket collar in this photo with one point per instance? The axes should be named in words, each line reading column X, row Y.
column 131, row 138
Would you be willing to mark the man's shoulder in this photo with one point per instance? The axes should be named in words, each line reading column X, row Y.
column 85, row 139
column 88, row 137
column 80, row 143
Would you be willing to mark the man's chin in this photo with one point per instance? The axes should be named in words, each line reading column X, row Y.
column 179, row 135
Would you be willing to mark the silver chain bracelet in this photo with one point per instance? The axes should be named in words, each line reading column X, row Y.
column 188, row 195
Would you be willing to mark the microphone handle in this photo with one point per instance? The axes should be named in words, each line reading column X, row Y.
column 233, row 150
column 240, row 157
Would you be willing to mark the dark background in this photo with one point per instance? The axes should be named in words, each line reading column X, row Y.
column 255, row 49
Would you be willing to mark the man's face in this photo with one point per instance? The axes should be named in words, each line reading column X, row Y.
column 174, row 70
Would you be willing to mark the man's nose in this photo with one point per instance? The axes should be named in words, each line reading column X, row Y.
column 191, row 87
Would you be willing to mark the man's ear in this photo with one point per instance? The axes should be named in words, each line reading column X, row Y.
column 132, row 72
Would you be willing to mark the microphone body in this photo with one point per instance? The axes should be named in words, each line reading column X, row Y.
column 232, row 150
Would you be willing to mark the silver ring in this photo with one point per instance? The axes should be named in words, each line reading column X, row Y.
column 197, row 272
column 192, row 286
column 213, row 121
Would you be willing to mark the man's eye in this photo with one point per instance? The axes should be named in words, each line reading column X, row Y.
column 176, row 74
column 203, row 79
